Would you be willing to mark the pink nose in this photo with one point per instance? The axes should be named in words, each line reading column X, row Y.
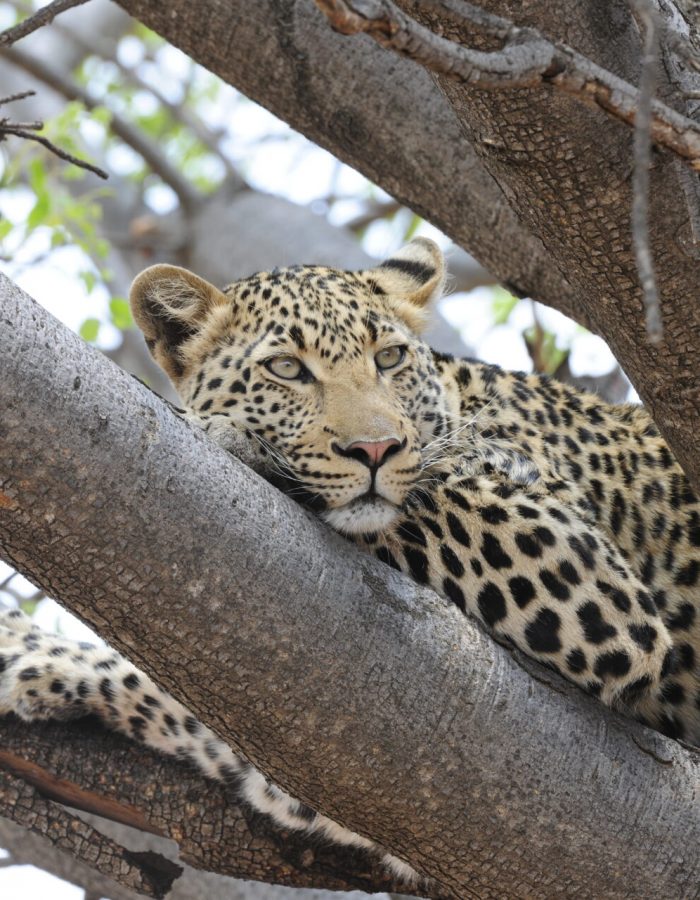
column 375, row 451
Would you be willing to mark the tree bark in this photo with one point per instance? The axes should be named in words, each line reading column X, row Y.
column 536, row 186
column 107, row 775
column 352, row 687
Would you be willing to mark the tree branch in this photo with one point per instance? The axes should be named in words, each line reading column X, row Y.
column 294, row 645
column 319, row 74
column 26, row 131
column 30, row 848
column 526, row 60
column 521, row 62
column 25, row 805
column 105, row 774
column 41, row 17
column 642, row 163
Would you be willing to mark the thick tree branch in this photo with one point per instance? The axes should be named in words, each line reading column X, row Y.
column 296, row 646
column 526, row 60
column 312, row 78
column 27, row 848
column 105, row 774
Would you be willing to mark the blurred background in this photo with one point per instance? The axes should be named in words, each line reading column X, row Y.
column 202, row 177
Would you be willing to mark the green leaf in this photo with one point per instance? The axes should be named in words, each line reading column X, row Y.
column 39, row 212
column 120, row 313
column 37, row 176
column 503, row 304
column 89, row 279
column 5, row 228
column 28, row 607
column 58, row 238
column 152, row 40
column 89, row 330
column 73, row 173
column 102, row 115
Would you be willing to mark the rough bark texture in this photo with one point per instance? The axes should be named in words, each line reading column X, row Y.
column 347, row 683
column 537, row 187
column 26, row 847
column 105, row 773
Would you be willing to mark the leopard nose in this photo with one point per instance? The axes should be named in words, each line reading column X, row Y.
column 371, row 453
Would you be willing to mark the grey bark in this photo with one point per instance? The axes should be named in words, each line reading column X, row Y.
column 536, row 186
column 27, row 848
column 351, row 686
column 185, row 823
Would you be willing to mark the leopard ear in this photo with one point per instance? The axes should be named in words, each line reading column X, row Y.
column 169, row 305
column 412, row 279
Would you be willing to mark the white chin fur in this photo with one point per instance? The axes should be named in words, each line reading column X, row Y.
column 361, row 516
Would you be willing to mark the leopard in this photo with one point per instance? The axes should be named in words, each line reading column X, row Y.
column 563, row 524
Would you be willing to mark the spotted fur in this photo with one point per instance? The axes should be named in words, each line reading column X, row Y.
column 561, row 522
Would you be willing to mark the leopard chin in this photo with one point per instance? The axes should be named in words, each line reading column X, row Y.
column 364, row 515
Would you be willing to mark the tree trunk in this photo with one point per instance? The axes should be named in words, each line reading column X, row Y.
column 535, row 185
column 352, row 687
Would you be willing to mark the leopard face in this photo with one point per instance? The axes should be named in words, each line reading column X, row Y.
column 324, row 367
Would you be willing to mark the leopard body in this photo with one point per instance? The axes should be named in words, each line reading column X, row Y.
column 562, row 523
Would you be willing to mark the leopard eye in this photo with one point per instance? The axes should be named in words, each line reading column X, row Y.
column 288, row 367
column 390, row 357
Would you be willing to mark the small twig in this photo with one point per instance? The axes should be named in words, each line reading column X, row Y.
column 6, row 581
column 22, row 95
column 640, row 179
column 31, row 126
column 526, row 60
column 373, row 212
column 21, row 598
column 41, row 17
column 8, row 128
column 26, row 130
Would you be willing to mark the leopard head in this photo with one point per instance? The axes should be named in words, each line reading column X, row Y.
column 324, row 367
